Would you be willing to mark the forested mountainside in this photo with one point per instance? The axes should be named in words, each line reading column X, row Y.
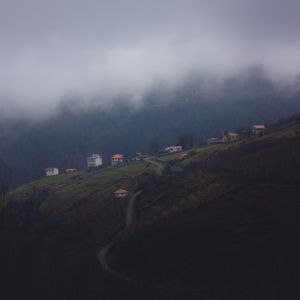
column 225, row 227
column 165, row 116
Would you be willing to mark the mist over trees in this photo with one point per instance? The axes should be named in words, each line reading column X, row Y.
column 187, row 115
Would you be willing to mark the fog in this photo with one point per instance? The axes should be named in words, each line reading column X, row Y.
column 87, row 49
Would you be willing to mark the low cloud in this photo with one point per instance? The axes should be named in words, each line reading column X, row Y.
column 51, row 50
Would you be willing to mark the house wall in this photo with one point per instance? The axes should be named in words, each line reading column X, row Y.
column 52, row 172
column 115, row 161
column 93, row 162
column 121, row 195
column 258, row 131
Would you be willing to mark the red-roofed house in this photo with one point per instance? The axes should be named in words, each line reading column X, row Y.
column 228, row 137
column 258, row 129
column 117, row 159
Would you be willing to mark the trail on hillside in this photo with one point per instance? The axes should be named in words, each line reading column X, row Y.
column 129, row 226
column 103, row 253
column 159, row 166
column 130, row 211
column 130, row 217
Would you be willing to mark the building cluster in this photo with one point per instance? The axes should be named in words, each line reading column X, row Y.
column 95, row 160
column 229, row 137
column 55, row 171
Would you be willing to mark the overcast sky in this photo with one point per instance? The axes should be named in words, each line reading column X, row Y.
column 53, row 49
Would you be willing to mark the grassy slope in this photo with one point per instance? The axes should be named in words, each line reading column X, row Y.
column 71, row 185
column 228, row 225
column 55, row 231
column 85, row 199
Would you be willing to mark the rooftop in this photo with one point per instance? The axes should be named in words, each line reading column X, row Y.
column 259, row 126
column 120, row 191
column 117, row 155
column 231, row 133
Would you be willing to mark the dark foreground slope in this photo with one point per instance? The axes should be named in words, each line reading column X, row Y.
column 227, row 227
column 52, row 230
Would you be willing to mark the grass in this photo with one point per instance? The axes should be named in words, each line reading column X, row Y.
column 200, row 153
column 290, row 130
column 68, row 187
column 170, row 157
column 20, row 192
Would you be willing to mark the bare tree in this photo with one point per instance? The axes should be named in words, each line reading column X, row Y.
column 154, row 145
column 5, row 183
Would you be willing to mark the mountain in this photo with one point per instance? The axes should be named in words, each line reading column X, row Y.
column 224, row 227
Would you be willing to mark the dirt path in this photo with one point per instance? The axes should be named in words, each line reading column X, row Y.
column 130, row 223
column 159, row 166
column 130, row 218
column 129, row 226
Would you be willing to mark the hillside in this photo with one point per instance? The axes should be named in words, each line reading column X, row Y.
column 226, row 227
column 54, row 227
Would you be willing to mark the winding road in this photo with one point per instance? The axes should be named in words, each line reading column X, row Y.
column 130, row 217
column 130, row 211
column 129, row 226
column 159, row 166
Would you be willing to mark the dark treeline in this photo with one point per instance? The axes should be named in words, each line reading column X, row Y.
column 188, row 115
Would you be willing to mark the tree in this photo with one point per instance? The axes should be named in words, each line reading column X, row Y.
column 187, row 140
column 154, row 145
column 5, row 182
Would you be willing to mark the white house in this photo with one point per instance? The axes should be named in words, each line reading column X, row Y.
column 121, row 193
column 172, row 149
column 117, row 159
column 51, row 171
column 94, row 161
column 228, row 137
column 213, row 141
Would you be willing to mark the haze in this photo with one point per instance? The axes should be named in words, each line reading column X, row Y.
column 53, row 50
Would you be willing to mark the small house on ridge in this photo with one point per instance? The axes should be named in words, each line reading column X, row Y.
column 121, row 193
